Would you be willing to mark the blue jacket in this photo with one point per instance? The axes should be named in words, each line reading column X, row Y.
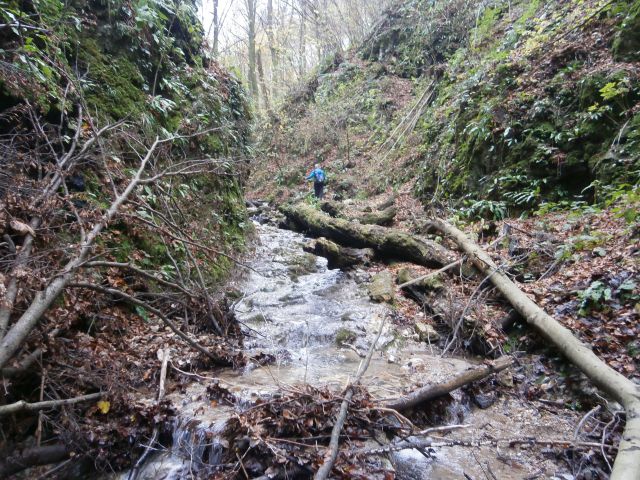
column 318, row 175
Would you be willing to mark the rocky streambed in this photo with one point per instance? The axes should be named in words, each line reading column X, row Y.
column 315, row 324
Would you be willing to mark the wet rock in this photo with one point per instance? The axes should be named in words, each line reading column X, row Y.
column 291, row 298
column 381, row 289
column 426, row 333
column 352, row 317
column 302, row 265
column 344, row 335
column 484, row 400
column 360, row 276
column 258, row 318
column 505, row 378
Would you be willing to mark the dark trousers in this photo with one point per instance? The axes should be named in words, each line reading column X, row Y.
column 318, row 189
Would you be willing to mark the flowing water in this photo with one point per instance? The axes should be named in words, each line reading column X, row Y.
column 294, row 309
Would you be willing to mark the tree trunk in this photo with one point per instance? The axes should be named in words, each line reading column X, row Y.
column 302, row 55
column 621, row 389
column 216, row 29
column 386, row 242
column 263, row 85
column 251, row 39
column 338, row 256
column 273, row 50
column 430, row 392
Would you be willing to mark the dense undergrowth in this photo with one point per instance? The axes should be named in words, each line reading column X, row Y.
column 89, row 92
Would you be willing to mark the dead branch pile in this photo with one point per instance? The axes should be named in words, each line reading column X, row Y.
column 291, row 433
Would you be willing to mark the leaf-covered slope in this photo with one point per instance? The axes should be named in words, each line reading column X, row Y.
column 502, row 104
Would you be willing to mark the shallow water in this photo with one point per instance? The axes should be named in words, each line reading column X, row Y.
column 293, row 309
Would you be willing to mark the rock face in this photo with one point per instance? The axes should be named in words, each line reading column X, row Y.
column 426, row 332
column 381, row 288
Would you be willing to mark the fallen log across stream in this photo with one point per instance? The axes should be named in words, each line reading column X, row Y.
column 386, row 242
column 616, row 385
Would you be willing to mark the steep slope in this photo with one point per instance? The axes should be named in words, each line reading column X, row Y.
column 121, row 213
column 495, row 105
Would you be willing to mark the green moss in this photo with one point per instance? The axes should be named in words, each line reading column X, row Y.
column 626, row 44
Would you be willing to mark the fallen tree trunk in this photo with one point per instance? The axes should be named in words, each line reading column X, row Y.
column 386, row 242
column 430, row 392
column 616, row 385
column 337, row 255
column 383, row 217
column 32, row 457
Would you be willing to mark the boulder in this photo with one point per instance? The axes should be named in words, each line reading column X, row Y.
column 381, row 288
column 426, row 332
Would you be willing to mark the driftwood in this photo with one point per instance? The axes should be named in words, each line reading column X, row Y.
column 135, row 471
column 334, row 444
column 616, row 385
column 386, row 242
column 23, row 406
column 32, row 457
column 430, row 392
column 337, row 255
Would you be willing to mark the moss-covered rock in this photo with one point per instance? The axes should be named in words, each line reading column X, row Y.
column 381, row 288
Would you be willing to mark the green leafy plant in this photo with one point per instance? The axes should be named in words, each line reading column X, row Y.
column 595, row 297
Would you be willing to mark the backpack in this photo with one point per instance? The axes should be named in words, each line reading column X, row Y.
column 320, row 177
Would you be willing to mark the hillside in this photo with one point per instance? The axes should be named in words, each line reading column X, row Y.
column 496, row 107
column 123, row 161
column 518, row 123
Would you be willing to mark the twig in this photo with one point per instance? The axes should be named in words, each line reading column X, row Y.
column 334, row 444
column 133, row 474
column 22, row 406
column 431, row 274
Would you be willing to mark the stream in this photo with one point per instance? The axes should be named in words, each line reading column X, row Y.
column 295, row 309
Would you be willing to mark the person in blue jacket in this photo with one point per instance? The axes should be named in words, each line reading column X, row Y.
column 319, row 178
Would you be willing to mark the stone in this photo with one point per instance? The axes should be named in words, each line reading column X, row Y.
column 381, row 288
column 484, row 400
column 426, row 333
column 344, row 335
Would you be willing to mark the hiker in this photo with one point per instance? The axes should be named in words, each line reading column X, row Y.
column 319, row 178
